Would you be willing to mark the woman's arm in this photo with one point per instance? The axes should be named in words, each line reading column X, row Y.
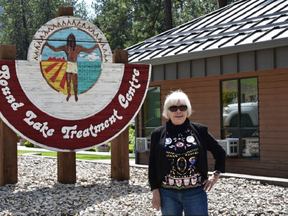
column 156, row 200
column 217, row 151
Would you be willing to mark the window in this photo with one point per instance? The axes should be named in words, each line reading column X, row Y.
column 241, row 96
column 151, row 111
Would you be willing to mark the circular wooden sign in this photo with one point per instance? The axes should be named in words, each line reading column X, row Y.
column 69, row 95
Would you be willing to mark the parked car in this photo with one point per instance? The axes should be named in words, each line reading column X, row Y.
column 249, row 114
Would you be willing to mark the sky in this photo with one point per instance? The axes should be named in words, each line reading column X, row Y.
column 89, row 8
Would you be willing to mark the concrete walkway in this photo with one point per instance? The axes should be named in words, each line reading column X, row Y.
column 262, row 179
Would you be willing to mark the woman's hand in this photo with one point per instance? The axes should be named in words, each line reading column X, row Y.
column 156, row 200
column 209, row 183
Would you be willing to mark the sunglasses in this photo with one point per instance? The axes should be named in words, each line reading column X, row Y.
column 175, row 108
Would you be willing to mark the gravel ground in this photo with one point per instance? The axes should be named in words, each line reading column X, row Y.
column 95, row 193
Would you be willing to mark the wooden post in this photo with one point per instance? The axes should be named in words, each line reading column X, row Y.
column 8, row 138
column 120, row 56
column 66, row 161
column 8, row 52
column 65, row 11
column 120, row 145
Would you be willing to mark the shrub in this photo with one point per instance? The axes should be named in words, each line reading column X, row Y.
column 28, row 144
column 131, row 134
column 93, row 149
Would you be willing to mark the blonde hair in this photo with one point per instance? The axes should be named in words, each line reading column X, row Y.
column 173, row 98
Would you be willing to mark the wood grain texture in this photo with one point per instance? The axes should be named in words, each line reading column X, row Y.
column 8, row 138
column 120, row 145
column 66, row 167
column 204, row 94
column 65, row 11
column 8, row 52
column 56, row 26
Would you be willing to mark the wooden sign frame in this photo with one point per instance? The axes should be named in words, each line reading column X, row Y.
column 56, row 119
column 18, row 98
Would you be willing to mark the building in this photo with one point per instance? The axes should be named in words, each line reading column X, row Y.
column 233, row 60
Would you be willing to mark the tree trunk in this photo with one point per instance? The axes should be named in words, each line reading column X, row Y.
column 222, row 3
column 168, row 14
column 25, row 28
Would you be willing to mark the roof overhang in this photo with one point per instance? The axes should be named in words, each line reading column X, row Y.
column 216, row 52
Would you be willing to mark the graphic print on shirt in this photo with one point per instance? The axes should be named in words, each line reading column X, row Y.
column 182, row 152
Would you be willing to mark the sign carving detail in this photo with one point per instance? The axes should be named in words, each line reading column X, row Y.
column 68, row 95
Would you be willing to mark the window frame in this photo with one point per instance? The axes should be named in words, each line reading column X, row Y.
column 239, row 129
column 143, row 128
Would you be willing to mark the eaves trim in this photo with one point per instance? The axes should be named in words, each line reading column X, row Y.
column 216, row 52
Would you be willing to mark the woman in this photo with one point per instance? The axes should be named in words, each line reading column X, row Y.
column 178, row 167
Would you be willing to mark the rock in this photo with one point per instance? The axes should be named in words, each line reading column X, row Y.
column 95, row 193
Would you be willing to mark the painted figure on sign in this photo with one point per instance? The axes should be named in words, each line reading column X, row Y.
column 72, row 51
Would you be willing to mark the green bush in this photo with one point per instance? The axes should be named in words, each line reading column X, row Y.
column 28, row 144
column 93, row 149
column 131, row 134
column 131, row 137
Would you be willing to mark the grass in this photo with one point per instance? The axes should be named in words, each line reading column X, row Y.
column 78, row 156
column 131, row 147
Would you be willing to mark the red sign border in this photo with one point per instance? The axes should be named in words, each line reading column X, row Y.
column 145, row 78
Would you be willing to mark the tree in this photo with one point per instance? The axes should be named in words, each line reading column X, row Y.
column 114, row 19
column 21, row 19
column 127, row 22
column 80, row 10
column 168, row 14
column 124, row 22
column 148, row 20
column 222, row 3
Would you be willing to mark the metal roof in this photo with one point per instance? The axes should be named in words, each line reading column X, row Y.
column 243, row 26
